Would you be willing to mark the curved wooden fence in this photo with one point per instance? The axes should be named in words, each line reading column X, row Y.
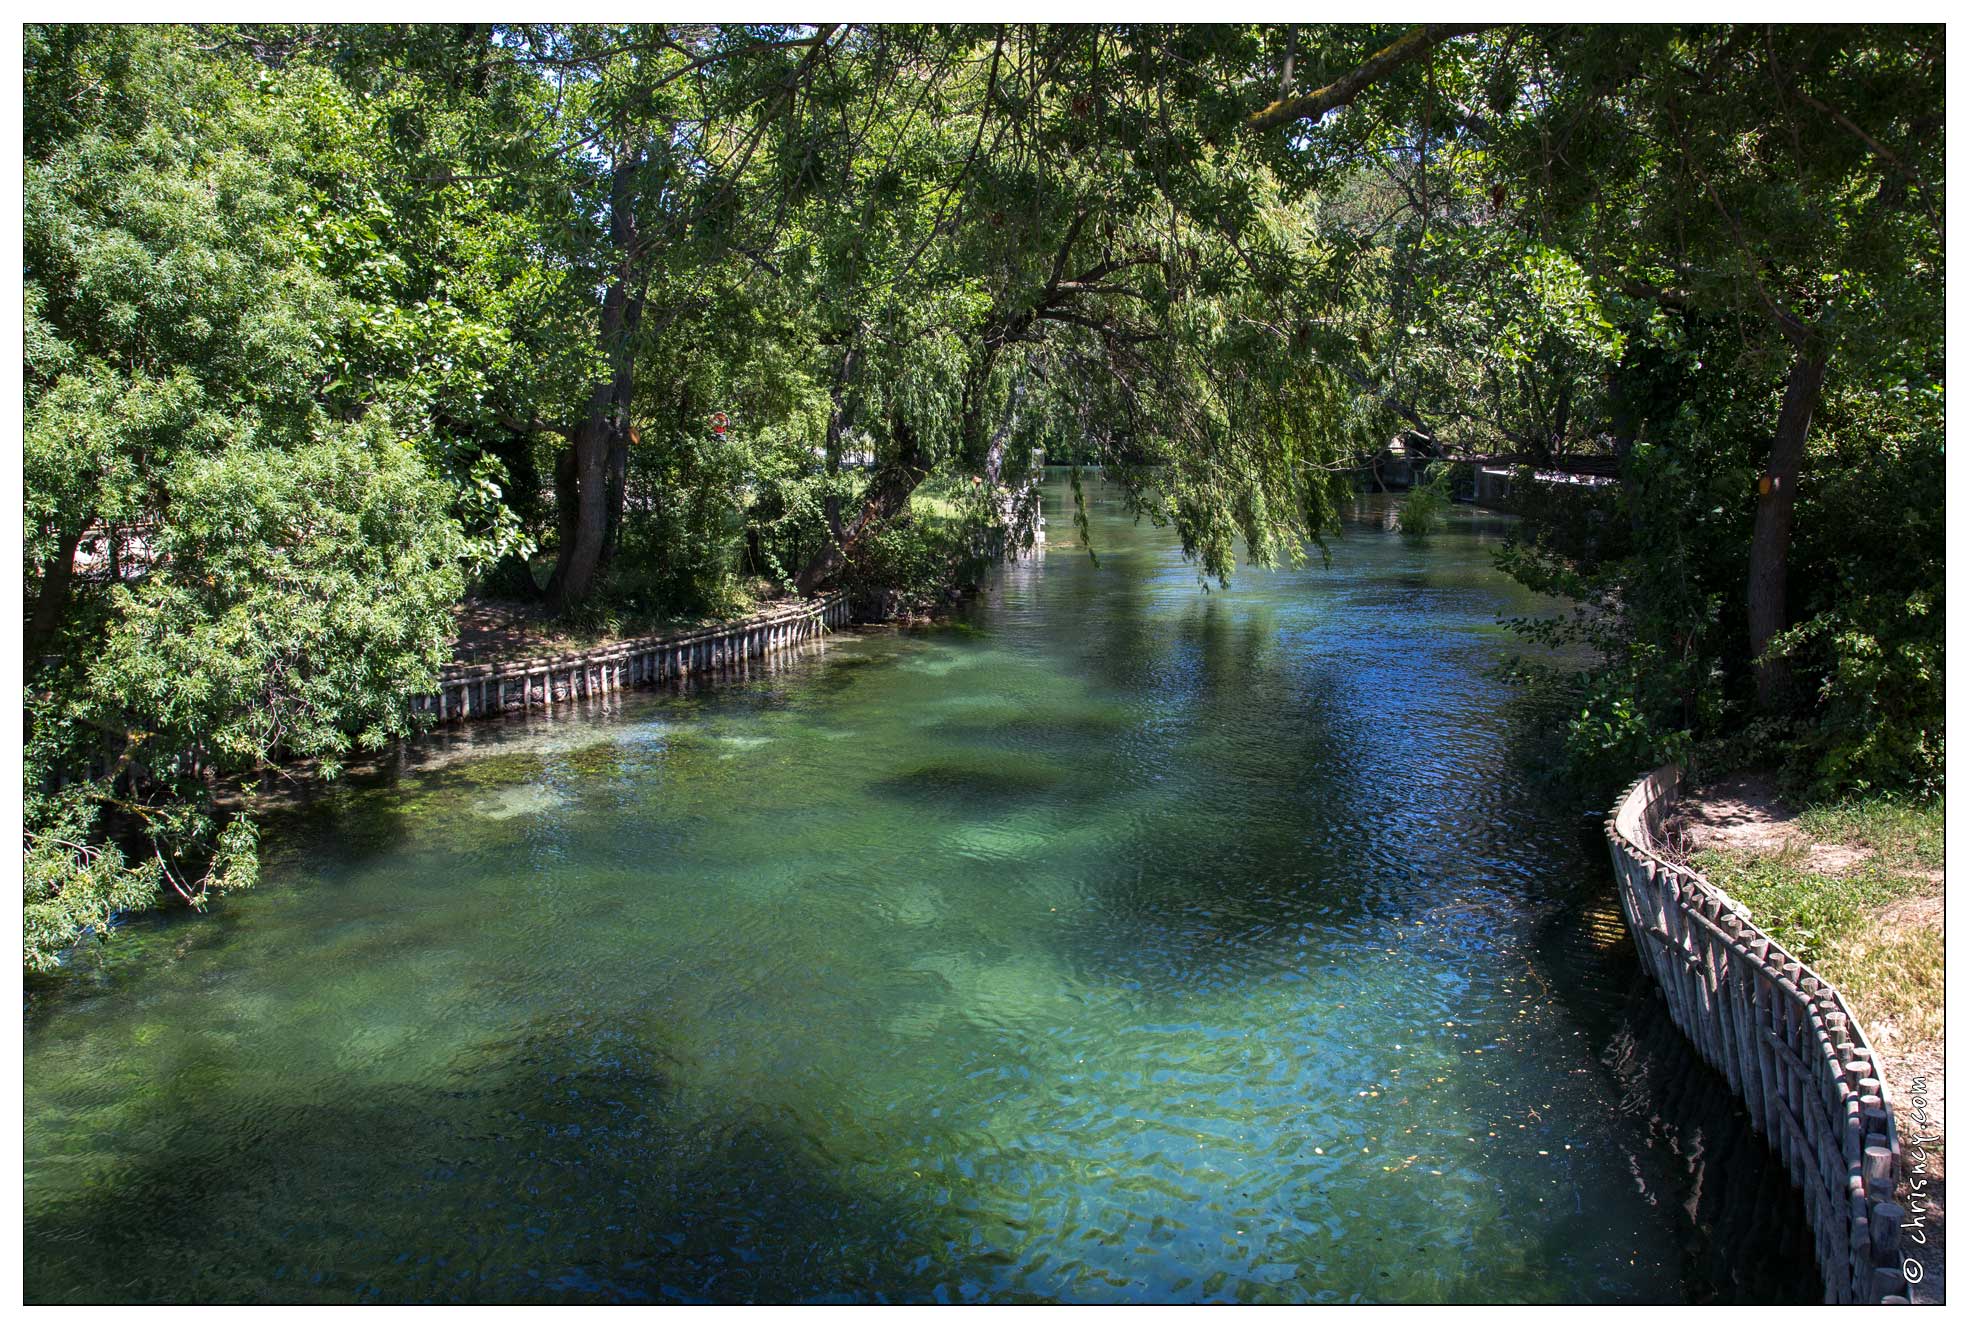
column 466, row 691
column 1788, row 1043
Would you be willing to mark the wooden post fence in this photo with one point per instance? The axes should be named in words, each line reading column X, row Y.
column 1784, row 1038
column 471, row 691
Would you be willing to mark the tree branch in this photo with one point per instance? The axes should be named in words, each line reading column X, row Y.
column 1105, row 329
column 1412, row 45
column 532, row 425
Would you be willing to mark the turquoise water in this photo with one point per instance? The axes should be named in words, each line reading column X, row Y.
column 1124, row 940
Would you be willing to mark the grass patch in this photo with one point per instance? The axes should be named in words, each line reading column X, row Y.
column 944, row 500
column 1892, row 974
column 1888, row 962
column 1903, row 835
column 1806, row 911
column 935, row 507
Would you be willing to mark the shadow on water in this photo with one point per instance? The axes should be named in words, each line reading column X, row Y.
column 364, row 818
column 1741, row 1216
column 1737, row 1213
column 558, row 1164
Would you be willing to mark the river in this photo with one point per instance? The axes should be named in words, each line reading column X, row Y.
column 1123, row 939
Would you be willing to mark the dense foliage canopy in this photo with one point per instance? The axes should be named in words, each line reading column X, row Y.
column 327, row 325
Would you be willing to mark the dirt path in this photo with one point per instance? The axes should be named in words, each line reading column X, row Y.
column 1745, row 816
column 504, row 630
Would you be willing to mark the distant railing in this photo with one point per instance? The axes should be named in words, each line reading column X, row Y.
column 466, row 691
column 1786, row 1040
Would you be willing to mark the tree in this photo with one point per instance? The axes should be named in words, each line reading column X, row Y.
column 1096, row 258
column 1754, row 213
column 1721, row 169
column 322, row 321
column 220, row 572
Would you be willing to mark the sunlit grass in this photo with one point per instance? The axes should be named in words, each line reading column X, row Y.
column 1888, row 961
column 1901, row 833
column 941, row 502
column 1892, row 974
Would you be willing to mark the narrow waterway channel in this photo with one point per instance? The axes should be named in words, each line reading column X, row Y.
column 1122, row 940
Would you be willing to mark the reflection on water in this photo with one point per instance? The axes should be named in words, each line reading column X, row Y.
column 1126, row 941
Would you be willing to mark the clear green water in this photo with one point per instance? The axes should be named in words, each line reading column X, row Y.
column 1122, row 941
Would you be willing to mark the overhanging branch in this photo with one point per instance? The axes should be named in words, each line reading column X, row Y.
column 1412, row 45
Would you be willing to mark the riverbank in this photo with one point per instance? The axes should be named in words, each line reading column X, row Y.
column 489, row 628
column 466, row 690
column 493, row 629
column 1855, row 890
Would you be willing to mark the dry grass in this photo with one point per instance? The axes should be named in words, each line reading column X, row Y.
column 1894, row 974
column 1854, row 889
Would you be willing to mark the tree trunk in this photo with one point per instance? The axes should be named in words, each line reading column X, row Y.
column 624, row 433
column 1623, row 414
column 567, row 511
column 887, row 494
column 994, row 458
column 580, row 554
column 1014, row 509
column 837, row 424
column 51, row 602
column 837, row 411
column 1770, row 540
column 615, row 483
column 586, row 543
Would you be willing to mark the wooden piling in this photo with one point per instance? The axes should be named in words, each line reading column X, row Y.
column 1783, row 1038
